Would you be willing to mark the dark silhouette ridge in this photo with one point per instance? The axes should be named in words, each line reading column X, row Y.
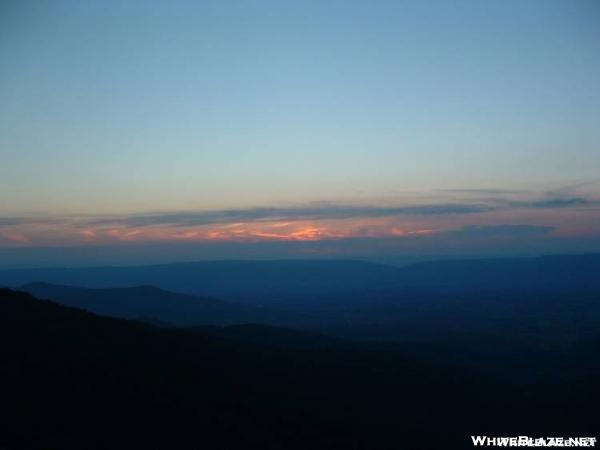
column 273, row 336
column 157, row 305
column 72, row 380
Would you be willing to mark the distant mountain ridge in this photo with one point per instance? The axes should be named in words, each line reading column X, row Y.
column 310, row 274
column 552, row 270
column 552, row 297
column 287, row 282
column 156, row 305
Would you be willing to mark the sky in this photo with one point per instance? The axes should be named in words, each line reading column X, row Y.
column 278, row 128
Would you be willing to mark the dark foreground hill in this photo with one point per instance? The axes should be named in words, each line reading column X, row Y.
column 72, row 380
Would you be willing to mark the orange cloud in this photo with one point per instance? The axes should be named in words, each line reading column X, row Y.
column 400, row 232
column 16, row 238
column 254, row 231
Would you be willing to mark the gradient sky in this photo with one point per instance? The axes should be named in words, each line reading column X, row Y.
column 249, row 121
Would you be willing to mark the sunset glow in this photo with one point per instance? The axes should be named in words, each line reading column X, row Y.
column 412, row 221
column 446, row 127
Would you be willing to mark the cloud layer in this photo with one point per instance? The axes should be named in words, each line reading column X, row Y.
column 472, row 213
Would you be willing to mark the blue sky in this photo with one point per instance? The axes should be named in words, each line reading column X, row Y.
column 121, row 109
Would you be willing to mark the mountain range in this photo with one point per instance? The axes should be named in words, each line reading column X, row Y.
column 70, row 379
column 550, row 298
